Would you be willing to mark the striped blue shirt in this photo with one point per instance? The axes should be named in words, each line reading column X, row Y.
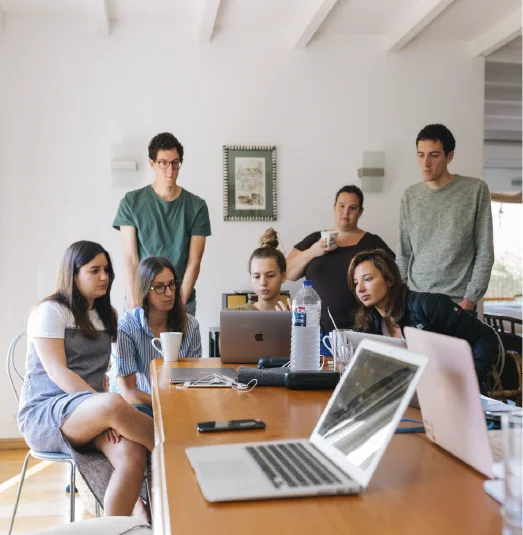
column 133, row 351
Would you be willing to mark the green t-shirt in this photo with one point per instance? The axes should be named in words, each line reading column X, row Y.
column 164, row 228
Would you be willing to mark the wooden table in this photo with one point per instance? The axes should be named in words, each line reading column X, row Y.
column 417, row 489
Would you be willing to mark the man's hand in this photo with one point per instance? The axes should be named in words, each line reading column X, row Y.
column 111, row 435
column 283, row 307
column 467, row 304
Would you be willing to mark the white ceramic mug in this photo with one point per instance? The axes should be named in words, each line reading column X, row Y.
column 330, row 236
column 170, row 345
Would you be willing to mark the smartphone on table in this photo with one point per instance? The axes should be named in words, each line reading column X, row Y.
column 230, row 425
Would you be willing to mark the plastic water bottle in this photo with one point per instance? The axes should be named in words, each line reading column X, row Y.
column 305, row 339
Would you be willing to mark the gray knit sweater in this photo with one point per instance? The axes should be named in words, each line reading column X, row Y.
column 446, row 243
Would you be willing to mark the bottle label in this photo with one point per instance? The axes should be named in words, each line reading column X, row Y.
column 299, row 316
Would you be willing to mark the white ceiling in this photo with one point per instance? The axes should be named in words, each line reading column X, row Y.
column 482, row 23
column 490, row 28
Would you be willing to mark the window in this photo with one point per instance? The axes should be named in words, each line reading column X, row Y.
column 504, row 292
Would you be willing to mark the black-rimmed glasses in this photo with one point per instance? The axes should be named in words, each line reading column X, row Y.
column 164, row 164
column 160, row 288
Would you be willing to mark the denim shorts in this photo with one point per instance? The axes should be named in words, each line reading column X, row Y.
column 145, row 409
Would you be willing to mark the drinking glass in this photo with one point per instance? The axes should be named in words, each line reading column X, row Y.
column 512, row 509
column 345, row 351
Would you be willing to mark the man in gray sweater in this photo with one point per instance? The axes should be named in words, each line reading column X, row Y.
column 446, row 244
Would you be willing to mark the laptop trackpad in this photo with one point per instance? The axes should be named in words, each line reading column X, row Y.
column 225, row 468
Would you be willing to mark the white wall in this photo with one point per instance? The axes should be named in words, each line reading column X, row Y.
column 67, row 95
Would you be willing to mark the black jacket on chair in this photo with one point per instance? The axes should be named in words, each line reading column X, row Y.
column 439, row 314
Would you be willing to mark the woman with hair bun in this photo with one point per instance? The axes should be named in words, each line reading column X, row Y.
column 267, row 267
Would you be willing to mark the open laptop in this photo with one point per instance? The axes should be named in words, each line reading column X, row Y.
column 356, row 337
column 344, row 449
column 247, row 336
column 450, row 402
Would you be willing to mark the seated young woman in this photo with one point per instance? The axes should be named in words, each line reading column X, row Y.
column 388, row 306
column 160, row 309
column 63, row 406
column 267, row 267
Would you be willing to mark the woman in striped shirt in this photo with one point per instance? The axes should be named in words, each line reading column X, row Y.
column 160, row 309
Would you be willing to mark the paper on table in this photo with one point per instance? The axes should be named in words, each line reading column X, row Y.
column 493, row 405
column 495, row 488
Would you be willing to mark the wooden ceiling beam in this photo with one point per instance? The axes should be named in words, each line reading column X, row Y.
column 419, row 17
column 311, row 22
column 208, row 21
column 498, row 36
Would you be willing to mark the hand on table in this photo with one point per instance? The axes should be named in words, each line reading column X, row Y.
column 282, row 307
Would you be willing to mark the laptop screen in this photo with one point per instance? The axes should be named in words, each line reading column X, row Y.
column 359, row 419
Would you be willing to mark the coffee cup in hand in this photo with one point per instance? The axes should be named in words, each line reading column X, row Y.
column 170, row 345
column 330, row 238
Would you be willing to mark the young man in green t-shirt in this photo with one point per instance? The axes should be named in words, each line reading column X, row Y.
column 163, row 219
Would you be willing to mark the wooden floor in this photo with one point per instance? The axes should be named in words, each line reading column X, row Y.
column 43, row 502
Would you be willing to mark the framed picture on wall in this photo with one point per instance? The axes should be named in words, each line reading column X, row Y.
column 249, row 183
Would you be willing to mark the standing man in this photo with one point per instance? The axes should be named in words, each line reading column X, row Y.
column 446, row 244
column 163, row 219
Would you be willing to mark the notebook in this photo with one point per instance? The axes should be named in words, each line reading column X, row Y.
column 344, row 449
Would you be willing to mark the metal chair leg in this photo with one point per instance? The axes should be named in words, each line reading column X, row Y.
column 17, row 499
column 148, row 492
column 72, row 493
column 96, row 508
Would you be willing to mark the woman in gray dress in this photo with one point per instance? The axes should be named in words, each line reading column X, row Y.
column 63, row 406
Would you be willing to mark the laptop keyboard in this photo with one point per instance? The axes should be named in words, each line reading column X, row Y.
column 291, row 465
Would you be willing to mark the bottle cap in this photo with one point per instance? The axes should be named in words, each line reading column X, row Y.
column 307, row 284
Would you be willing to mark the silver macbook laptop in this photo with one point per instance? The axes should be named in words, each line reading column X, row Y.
column 450, row 401
column 247, row 335
column 344, row 449
column 356, row 337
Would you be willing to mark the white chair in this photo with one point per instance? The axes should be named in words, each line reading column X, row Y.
column 111, row 525
column 45, row 456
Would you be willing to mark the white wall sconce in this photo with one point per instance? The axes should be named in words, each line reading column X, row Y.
column 124, row 165
column 373, row 165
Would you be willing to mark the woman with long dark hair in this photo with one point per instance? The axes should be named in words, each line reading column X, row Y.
column 160, row 309
column 63, row 407
column 387, row 306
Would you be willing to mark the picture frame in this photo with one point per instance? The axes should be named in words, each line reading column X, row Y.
column 249, row 183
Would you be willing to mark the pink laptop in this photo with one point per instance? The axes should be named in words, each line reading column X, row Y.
column 449, row 399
